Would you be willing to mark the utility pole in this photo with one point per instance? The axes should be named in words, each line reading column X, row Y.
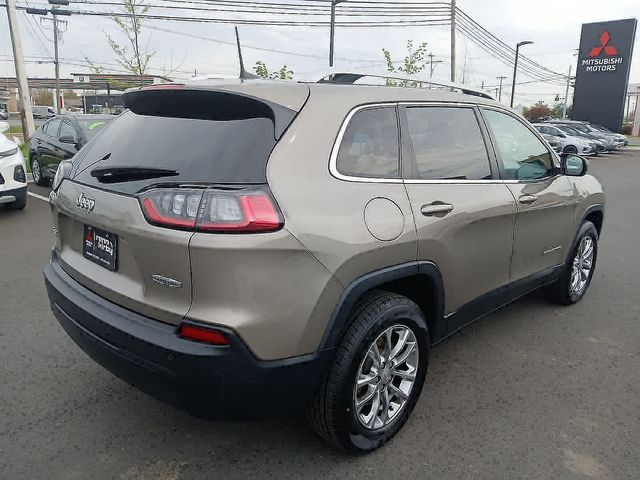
column 56, row 32
column 56, row 62
column 482, row 87
column 500, row 88
column 566, row 94
column 26, row 116
column 453, row 40
column 515, row 68
column 431, row 62
column 332, row 32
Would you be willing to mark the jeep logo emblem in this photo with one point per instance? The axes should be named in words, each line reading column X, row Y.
column 85, row 202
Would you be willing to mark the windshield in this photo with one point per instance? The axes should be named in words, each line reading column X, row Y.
column 90, row 127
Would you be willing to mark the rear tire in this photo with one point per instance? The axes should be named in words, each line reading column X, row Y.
column 571, row 149
column 36, row 172
column 339, row 408
column 575, row 279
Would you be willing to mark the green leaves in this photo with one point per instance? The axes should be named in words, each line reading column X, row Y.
column 413, row 63
column 263, row 72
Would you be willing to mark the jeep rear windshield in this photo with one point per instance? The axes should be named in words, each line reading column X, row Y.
column 220, row 145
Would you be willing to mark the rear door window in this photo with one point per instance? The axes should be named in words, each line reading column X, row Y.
column 446, row 143
column 369, row 146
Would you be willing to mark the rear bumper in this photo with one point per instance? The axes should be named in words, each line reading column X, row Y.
column 204, row 379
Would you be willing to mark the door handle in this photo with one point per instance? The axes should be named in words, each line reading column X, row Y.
column 436, row 208
column 527, row 198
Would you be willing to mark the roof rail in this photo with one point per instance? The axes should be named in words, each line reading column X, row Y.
column 349, row 77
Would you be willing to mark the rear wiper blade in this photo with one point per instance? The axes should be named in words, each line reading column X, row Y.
column 130, row 173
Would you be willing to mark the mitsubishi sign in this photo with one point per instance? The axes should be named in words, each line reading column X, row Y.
column 604, row 60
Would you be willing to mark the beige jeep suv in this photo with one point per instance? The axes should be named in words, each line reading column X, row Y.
column 264, row 247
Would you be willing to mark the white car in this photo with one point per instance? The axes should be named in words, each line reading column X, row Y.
column 13, row 174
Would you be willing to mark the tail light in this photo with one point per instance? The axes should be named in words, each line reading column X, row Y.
column 203, row 334
column 212, row 210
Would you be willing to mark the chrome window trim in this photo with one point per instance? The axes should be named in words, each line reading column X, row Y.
column 333, row 160
column 350, row 178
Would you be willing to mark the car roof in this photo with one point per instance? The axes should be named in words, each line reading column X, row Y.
column 289, row 93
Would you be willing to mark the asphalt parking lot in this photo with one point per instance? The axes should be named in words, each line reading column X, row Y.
column 533, row 391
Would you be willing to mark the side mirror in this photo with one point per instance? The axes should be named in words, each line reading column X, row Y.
column 4, row 127
column 574, row 165
column 67, row 139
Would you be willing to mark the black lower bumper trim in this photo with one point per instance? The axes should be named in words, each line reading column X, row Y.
column 207, row 380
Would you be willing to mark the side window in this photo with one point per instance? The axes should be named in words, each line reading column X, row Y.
column 67, row 130
column 369, row 146
column 44, row 127
column 446, row 143
column 52, row 127
column 523, row 155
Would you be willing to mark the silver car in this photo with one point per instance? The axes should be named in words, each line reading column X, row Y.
column 568, row 143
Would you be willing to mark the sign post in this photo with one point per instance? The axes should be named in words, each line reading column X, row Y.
column 602, row 75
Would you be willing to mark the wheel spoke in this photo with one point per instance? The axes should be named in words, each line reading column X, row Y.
column 400, row 359
column 374, row 409
column 405, row 374
column 400, row 344
column 397, row 392
column 367, row 379
column 366, row 399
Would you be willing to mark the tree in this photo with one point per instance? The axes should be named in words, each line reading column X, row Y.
column 537, row 112
column 133, row 57
column 263, row 72
column 42, row 96
column 413, row 63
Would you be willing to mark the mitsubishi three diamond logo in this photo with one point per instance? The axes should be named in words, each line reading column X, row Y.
column 605, row 46
column 603, row 57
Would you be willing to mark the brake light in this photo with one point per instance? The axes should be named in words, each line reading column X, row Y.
column 203, row 334
column 212, row 210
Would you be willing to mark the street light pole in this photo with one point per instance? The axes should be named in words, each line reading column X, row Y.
column 515, row 68
column 333, row 29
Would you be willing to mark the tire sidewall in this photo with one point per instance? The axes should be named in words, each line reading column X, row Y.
column 587, row 229
column 358, row 437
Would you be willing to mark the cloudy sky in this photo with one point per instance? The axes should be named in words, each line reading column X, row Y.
column 185, row 48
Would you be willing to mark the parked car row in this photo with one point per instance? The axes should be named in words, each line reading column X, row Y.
column 58, row 139
column 578, row 137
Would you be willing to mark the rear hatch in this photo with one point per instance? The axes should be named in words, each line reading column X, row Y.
column 186, row 141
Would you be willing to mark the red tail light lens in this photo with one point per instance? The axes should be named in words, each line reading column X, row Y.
column 203, row 334
column 212, row 210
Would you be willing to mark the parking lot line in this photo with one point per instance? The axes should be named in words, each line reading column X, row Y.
column 39, row 197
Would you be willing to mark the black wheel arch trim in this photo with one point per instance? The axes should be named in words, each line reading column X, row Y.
column 596, row 207
column 337, row 323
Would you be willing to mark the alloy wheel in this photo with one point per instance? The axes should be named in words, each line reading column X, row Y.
column 35, row 170
column 582, row 264
column 386, row 377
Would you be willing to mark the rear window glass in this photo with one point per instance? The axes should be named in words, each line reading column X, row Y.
column 91, row 127
column 369, row 146
column 202, row 151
